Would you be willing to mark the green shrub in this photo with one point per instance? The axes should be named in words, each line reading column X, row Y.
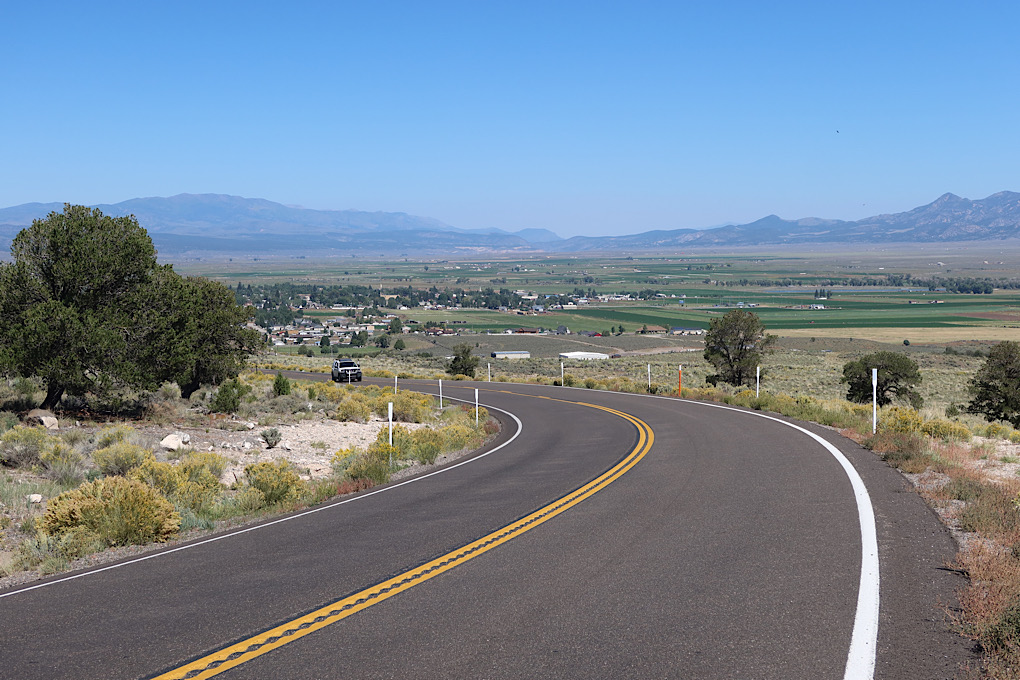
column 946, row 430
column 113, row 435
column 79, row 542
column 249, row 500
column 402, row 440
column 119, row 458
column 353, row 410
column 342, row 460
column 456, row 437
column 203, row 468
column 276, row 480
column 194, row 497
column 64, row 464
column 286, row 404
column 119, row 511
column 410, row 407
column 426, row 445
column 169, row 391
column 7, row 420
column 164, row 477
column 373, row 464
column 228, row 396
column 281, row 385
column 901, row 420
column 1000, row 431
column 23, row 446
column 192, row 485
column 271, row 437
column 52, row 553
column 74, row 437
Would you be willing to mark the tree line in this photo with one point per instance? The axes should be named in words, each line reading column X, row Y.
column 951, row 284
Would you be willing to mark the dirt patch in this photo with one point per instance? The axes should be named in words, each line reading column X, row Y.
column 309, row 444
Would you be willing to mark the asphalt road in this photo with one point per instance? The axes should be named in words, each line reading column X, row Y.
column 732, row 548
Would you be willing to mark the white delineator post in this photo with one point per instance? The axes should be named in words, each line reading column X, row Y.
column 476, row 406
column 391, row 434
column 679, row 380
column 649, row 377
column 874, row 400
column 490, row 372
column 757, row 381
column 561, row 374
column 394, row 384
column 440, row 393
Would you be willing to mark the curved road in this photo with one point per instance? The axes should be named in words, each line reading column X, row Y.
column 603, row 535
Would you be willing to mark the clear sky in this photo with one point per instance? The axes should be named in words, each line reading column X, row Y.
column 581, row 117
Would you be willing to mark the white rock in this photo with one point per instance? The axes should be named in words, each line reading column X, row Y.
column 34, row 498
column 250, row 426
column 246, row 445
column 175, row 441
column 286, row 446
column 38, row 416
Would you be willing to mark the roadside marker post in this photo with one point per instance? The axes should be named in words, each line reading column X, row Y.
column 757, row 381
column 679, row 380
column 391, row 434
column 440, row 393
column 394, row 384
column 649, row 377
column 874, row 400
column 561, row 374
column 476, row 406
column 490, row 372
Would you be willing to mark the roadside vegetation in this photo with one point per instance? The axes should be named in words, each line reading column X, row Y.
column 86, row 487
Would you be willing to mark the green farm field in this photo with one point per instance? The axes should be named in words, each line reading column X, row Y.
column 705, row 285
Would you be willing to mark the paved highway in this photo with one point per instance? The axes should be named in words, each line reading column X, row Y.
column 602, row 535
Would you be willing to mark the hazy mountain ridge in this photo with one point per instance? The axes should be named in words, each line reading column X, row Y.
column 220, row 224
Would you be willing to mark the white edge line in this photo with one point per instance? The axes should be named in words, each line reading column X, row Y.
column 860, row 662
column 329, row 506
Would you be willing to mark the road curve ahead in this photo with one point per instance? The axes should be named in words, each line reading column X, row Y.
column 606, row 535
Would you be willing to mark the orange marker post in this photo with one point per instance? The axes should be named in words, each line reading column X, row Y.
column 679, row 379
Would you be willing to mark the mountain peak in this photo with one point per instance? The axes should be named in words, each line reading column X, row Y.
column 947, row 198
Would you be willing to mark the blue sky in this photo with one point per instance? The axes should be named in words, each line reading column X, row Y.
column 580, row 117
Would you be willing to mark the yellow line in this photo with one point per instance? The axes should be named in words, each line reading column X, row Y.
column 250, row 648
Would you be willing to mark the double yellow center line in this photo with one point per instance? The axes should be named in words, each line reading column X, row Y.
column 241, row 652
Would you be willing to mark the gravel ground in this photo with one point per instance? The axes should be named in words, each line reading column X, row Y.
column 309, row 445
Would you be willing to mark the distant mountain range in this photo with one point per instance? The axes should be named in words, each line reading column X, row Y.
column 214, row 225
